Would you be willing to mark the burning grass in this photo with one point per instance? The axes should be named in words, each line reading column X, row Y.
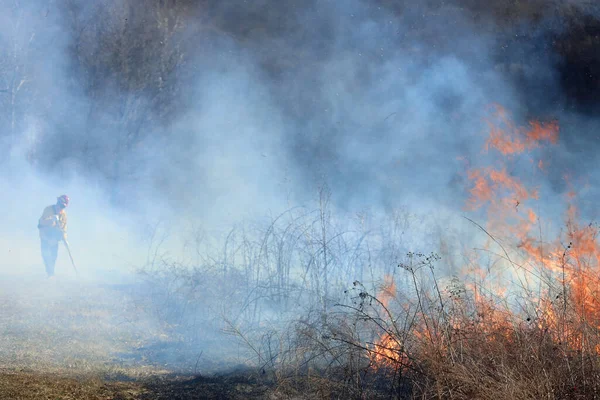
column 457, row 342
column 519, row 320
column 527, row 327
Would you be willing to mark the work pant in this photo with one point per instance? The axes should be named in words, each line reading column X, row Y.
column 49, row 253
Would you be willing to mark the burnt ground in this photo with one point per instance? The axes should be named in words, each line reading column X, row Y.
column 21, row 384
column 71, row 339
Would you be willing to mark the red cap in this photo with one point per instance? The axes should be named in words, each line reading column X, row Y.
column 64, row 200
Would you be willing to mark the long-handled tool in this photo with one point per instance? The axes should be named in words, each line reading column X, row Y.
column 70, row 256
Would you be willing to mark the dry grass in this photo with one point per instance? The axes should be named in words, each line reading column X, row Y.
column 454, row 343
column 67, row 325
column 66, row 339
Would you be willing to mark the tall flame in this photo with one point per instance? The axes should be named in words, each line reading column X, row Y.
column 557, row 272
column 571, row 271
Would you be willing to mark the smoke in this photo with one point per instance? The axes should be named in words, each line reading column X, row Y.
column 378, row 105
column 181, row 115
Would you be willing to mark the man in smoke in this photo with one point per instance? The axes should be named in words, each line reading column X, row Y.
column 53, row 228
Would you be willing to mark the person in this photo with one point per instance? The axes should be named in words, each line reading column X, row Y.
column 53, row 229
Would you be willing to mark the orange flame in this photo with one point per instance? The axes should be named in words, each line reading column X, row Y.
column 387, row 351
column 565, row 264
column 508, row 202
column 509, row 139
column 387, row 291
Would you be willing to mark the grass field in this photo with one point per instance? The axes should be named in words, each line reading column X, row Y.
column 70, row 339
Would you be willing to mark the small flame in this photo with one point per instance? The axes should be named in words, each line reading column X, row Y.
column 387, row 291
column 387, row 352
column 509, row 139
